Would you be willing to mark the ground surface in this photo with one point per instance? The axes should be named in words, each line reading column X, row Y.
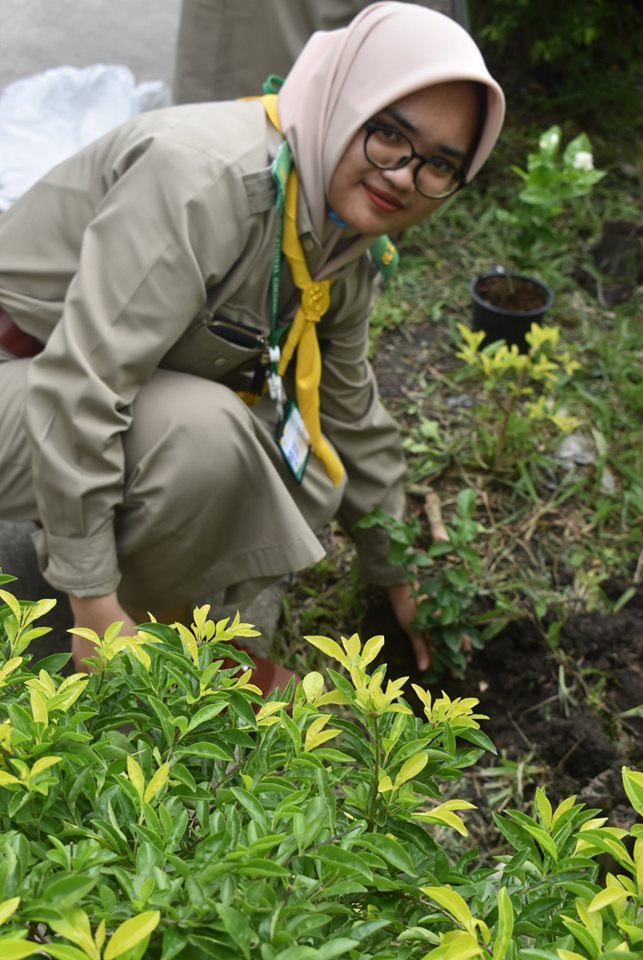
column 564, row 714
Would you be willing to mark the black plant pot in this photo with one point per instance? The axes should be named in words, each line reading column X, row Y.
column 506, row 304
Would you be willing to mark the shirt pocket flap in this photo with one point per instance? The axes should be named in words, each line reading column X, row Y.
column 215, row 347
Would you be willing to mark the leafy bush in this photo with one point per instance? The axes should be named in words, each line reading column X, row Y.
column 447, row 581
column 551, row 182
column 161, row 808
column 586, row 53
column 521, row 410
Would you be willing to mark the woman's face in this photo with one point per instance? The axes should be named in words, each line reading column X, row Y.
column 440, row 121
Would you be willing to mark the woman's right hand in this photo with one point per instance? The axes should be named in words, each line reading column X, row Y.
column 96, row 613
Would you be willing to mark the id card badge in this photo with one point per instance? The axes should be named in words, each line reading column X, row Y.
column 293, row 440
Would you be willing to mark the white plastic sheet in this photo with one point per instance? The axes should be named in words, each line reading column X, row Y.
column 48, row 116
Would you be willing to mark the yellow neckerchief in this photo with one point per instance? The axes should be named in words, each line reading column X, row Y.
column 302, row 336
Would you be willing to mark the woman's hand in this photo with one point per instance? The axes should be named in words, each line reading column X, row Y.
column 405, row 609
column 96, row 613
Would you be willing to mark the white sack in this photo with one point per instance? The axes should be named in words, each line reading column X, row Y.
column 49, row 116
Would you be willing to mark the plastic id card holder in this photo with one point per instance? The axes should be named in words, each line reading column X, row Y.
column 293, row 440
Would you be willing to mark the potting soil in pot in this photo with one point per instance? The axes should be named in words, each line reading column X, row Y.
column 521, row 295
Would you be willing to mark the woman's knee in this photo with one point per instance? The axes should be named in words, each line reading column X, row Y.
column 187, row 434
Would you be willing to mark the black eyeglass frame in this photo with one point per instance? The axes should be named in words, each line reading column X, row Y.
column 459, row 175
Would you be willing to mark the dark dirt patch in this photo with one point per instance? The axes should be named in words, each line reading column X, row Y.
column 564, row 708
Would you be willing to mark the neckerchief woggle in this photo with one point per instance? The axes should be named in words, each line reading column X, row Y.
column 314, row 303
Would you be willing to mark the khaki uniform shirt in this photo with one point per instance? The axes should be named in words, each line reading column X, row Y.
column 118, row 259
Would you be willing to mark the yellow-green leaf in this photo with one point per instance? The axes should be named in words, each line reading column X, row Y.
column 86, row 634
column 562, row 808
column 444, row 814
column 411, row 768
column 570, row 955
column 313, row 686
column 371, row 649
column 136, row 777
column 352, row 646
column 505, row 926
column 39, row 609
column 38, row 707
column 99, row 937
column 607, row 897
column 316, row 735
column 74, row 925
column 17, row 949
column 6, row 779
column 385, row 784
column 12, row 603
column 8, row 908
column 329, row 647
column 9, row 668
column 453, row 903
column 157, row 782
column 544, row 808
column 633, row 784
column 189, row 642
column 456, row 946
column 131, row 932
column 43, row 764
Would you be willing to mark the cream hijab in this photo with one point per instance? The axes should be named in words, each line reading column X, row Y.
column 342, row 77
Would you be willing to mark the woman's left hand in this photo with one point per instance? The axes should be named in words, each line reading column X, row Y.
column 405, row 609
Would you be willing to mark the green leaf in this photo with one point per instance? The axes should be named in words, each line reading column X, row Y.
column 252, row 805
column 338, row 947
column 392, row 851
column 297, row 953
column 131, row 932
column 206, row 713
column 342, row 859
column 237, row 926
column 205, row 750
column 543, row 840
column 243, row 709
column 66, row 891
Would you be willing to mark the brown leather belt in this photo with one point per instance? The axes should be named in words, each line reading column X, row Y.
column 14, row 340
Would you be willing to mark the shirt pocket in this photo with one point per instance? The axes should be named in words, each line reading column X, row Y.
column 215, row 347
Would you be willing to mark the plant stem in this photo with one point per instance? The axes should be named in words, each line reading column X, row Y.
column 508, row 410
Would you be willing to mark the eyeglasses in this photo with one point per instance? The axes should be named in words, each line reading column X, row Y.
column 387, row 149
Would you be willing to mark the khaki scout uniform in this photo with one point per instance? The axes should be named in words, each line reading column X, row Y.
column 125, row 436
column 227, row 48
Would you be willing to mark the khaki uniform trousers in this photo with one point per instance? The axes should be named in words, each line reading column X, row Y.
column 208, row 503
column 227, row 48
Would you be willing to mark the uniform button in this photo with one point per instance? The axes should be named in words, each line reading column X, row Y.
column 218, row 361
column 308, row 244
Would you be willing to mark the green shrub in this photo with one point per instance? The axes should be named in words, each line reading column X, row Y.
column 586, row 54
column 161, row 808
